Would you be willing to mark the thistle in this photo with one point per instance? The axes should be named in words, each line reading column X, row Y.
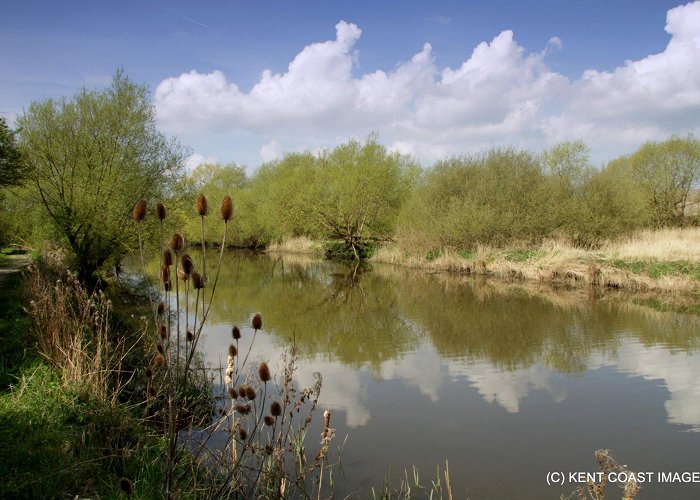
column 257, row 322
column 264, row 372
column 226, row 208
column 202, row 206
column 139, row 210
column 177, row 242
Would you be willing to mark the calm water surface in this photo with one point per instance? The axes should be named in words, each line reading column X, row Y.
column 504, row 383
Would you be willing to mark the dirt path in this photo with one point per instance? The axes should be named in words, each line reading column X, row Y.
column 15, row 264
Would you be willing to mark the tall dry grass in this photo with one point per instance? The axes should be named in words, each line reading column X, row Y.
column 667, row 244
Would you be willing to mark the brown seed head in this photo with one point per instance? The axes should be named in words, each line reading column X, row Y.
column 264, row 372
column 159, row 360
column 167, row 257
column 202, row 205
column 160, row 211
column 249, row 393
column 159, row 348
column 187, row 264
column 236, row 333
column 269, row 420
column 126, row 486
column 232, row 392
column 167, row 287
column 226, row 208
column 153, row 392
column 161, row 308
column 177, row 242
column 139, row 210
column 163, row 332
column 275, row 409
column 232, row 351
column 190, row 336
column 243, row 409
column 242, row 433
column 198, row 282
column 165, row 274
column 257, row 322
column 149, row 373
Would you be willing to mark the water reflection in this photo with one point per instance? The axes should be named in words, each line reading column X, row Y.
column 503, row 361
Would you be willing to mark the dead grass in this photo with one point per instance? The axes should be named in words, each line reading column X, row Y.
column 673, row 256
column 300, row 244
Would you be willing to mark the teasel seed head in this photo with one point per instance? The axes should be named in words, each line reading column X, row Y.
column 139, row 210
column 167, row 286
column 243, row 409
column 126, row 486
column 249, row 393
column 264, row 372
column 167, row 257
column 153, row 393
column 198, row 281
column 161, row 308
column 159, row 348
column 232, row 392
column 190, row 336
column 177, row 242
column 226, row 208
column 160, row 211
column 149, row 373
column 242, row 433
column 187, row 264
column 275, row 409
column 269, row 449
column 269, row 420
column 257, row 322
column 165, row 274
column 202, row 205
column 182, row 274
column 159, row 360
column 232, row 351
column 236, row 333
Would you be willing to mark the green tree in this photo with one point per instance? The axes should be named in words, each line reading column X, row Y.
column 90, row 159
column 12, row 166
column 667, row 171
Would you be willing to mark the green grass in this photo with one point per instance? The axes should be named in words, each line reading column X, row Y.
column 658, row 269
column 14, row 328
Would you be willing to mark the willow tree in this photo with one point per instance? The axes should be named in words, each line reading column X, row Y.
column 90, row 158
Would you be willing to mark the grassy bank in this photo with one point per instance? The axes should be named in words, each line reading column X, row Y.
column 662, row 260
column 665, row 260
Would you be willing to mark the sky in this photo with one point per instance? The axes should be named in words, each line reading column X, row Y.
column 246, row 82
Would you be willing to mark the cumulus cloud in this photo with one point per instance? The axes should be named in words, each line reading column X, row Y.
column 196, row 159
column 500, row 95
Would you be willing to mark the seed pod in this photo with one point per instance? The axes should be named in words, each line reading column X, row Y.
column 232, row 392
column 257, row 322
column 159, row 347
column 236, row 333
column 177, row 242
column 126, row 486
column 264, row 372
column 161, row 308
column 249, row 393
column 190, row 336
column 202, row 205
column 149, row 373
column 165, row 274
column 275, row 409
column 243, row 409
column 167, row 257
column 242, row 433
column 163, row 332
column 187, row 264
column 232, row 351
column 269, row 420
column 159, row 360
column 198, row 281
column 167, row 287
column 226, row 208
column 160, row 211
column 139, row 210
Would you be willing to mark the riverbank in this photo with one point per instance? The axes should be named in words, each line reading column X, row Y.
column 663, row 260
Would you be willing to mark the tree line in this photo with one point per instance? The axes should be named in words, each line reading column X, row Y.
column 73, row 169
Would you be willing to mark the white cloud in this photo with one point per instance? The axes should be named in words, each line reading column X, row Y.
column 196, row 159
column 271, row 151
column 500, row 95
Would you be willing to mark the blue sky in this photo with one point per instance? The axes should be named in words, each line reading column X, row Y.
column 248, row 81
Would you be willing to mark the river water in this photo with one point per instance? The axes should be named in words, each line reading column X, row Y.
column 506, row 383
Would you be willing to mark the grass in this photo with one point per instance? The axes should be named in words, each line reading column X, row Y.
column 14, row 328
column 664, row 260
